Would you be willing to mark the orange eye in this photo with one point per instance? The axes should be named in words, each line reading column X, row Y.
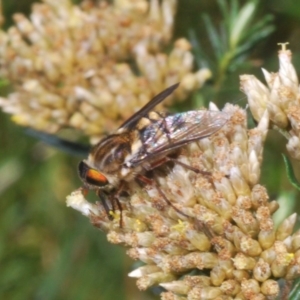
column 96, row 177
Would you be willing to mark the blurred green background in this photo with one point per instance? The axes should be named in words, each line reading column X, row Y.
column 49, row 251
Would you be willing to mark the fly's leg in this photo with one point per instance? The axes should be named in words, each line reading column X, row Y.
column 197, row 171
column 202, row 226
column 103, row 197
column 114, row 199
column 154, row 182
column 166, row 159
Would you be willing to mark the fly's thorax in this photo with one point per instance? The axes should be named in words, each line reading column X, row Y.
column 112, row 156
column 109, row 155
column 136, row 148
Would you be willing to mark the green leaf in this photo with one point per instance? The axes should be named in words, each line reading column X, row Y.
column 202, row 59
column 290, row 172
column 295, row 291
column 242, row 21
column 253, row 40
column 233, row 13
column 213, row 36
column 4, row 82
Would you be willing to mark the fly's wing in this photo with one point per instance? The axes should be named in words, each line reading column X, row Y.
column 149, row 106
column 174, row 131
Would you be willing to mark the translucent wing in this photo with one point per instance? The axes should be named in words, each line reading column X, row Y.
column 149, row 106
column 170, row 132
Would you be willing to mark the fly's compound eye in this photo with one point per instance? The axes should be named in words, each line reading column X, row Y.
column 91, row 176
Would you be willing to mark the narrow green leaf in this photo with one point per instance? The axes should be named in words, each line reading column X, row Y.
column 224, row 33
column 223, row 5
column 234, row 10
column 290, row 172
column 258, row 27
column 202, row 59
column 253, row 40
column 242, row 21
column 295, row 292
column 213, row 36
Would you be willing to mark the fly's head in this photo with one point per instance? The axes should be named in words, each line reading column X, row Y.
column 92, row 178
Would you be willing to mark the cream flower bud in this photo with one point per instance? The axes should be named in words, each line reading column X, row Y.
column 178, row 287
column 230, row 287
column 262, row 271
column 144, row 270
column 239, row 184
column 77, row 201
column 266, row 238
column 204, row 260
column 293, row 146
column 217, row 275
column 148, row 280
column 240, row 275
column 258, row 95
column 243, row 262
column 286, row 227
column 171, row 296
column 250, row 288
column 287, row 72
column 250, row 246
column 270, row 288
column 204, row 293
column 296, row 240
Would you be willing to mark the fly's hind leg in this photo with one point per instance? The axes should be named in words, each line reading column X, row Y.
column 201, row 226
column 195, row 170
column 154, row 182
column 166, row 159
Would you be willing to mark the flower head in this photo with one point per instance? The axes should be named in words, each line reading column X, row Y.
column 69, row 63
column 280, row 97
column 217, row 238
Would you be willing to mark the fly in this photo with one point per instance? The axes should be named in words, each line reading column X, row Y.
column 145, row 141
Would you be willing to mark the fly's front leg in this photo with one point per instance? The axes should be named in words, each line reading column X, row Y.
column 114, row 199
column 103, row 197
column 116, row 196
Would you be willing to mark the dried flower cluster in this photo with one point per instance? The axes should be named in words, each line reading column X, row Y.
column 228, row 247
column 69, row 63
column 73, row 66
column 281, row 97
